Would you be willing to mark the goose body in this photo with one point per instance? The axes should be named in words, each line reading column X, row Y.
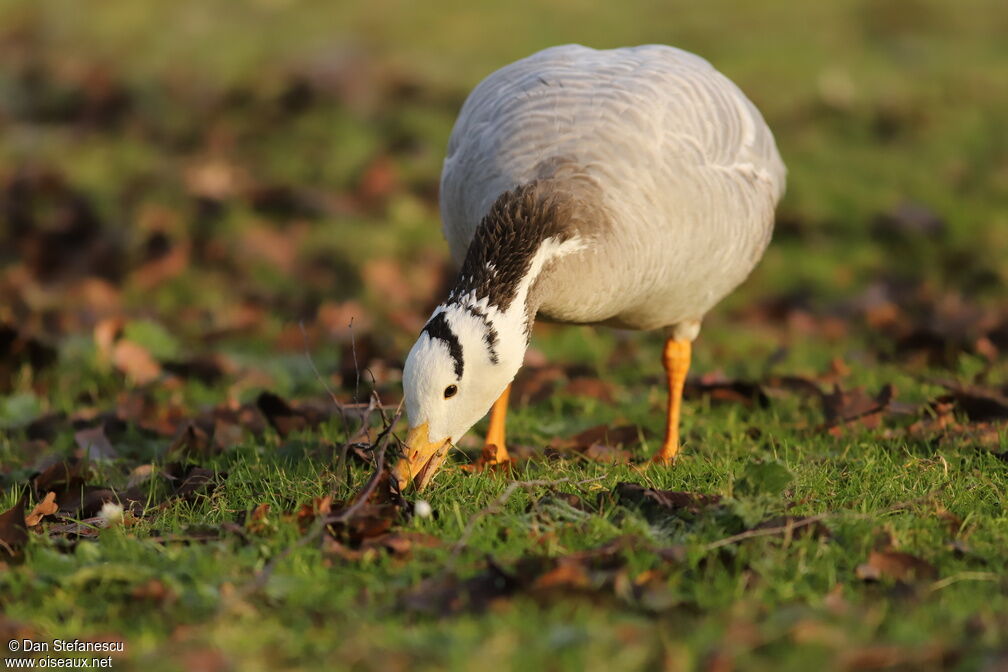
column 677, row 171
column 631, row 187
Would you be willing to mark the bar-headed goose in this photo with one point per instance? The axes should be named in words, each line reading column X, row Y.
column 632, row 187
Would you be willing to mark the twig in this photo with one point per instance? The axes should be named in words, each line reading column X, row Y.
column 811, row 520
column 767, row 531
column 962, row 576
column 257, row 582
column 353, row 350
column 382, row 443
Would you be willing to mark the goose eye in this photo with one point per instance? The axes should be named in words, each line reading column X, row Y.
column 450, row 391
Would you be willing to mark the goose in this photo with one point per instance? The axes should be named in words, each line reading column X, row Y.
column 631, row 187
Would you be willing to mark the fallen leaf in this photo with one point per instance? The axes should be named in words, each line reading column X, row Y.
column 666, row 500
column 13, row 534
column 908, row 221
column 595, row 573
column 215, row 178
column 809, row 631
column 105, row 333
column 140, row 474
column 319, row 506
column 370, row 518
column 600, row 443
column 191, row 442
column 257, row 523
column 227, row 435
column 721, row 390
column 18, row 349
column 94, row 444
column 46, row 507
column 197, row 481
column 155, row 591
column 890, row 657
column 286, row 419
column 135, row 361
column 448, row 594
column 401, row 544
column 379, row 180
column 895, row 565
column 842, row 408
column 489, row 460
column 564, row 575
column 165, row 261
column 208, row 369
column 63, row 478
column 535, row 383
column 590, row 387
column 564, row 499
column 979, row 403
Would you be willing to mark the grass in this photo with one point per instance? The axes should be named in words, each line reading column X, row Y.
column 316, row 609
column 873, row 104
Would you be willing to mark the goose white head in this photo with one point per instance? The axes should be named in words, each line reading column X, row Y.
column 474, row 343
column 464, row 358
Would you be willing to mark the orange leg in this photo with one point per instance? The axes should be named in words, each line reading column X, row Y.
column 676, row 359
column 494, row 450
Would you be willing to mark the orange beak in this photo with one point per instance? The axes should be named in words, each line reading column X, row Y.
column 422, row 458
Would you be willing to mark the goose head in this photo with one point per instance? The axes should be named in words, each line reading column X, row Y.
column 474, row 343
column 464, row 358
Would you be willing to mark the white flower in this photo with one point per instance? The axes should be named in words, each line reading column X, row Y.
column 110, row 514
column 422, row 508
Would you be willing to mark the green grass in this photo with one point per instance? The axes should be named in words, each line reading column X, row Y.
column 873, row 104
column 316, row 608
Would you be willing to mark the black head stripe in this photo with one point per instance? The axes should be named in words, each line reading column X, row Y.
column 438, row 327
column 489, row 333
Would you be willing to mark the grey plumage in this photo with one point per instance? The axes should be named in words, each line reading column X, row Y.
column 662, row 166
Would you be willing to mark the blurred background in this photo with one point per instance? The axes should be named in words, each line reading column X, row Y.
column 200, row 190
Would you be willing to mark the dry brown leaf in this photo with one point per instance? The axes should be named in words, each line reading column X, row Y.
column 46, row 507
column 154, row 590
column 140, row 474
column 489, row 460
column 668, row 500
column 979, row 403
column 257, row 522
column 278, row 248
column 340, row 320
column 106, row 333
column 895, row 565
column 590, row 387
column 191, row 442
column 564, row 575
column 379, row 180
column 722, row 390
column 215, row 178
column 285, row 418
column 401, row 544
column 319, row 506
column 165, row 267
column 13, row 534
column 535, row 383
column 135, row 361
column 94, row 444
column 842, row 408
column 888, row 657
